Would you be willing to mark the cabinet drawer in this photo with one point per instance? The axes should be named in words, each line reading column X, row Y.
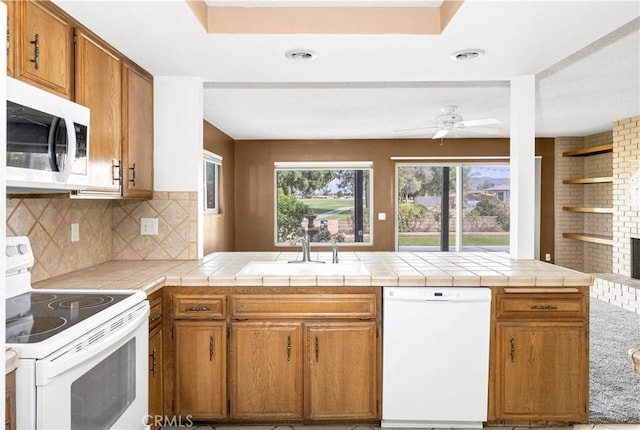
column 542, row 306
column 338, row 306
column 199, row 306
column 155, row 312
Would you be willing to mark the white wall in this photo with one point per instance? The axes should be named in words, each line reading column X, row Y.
column 178, row 114
column 522, row 162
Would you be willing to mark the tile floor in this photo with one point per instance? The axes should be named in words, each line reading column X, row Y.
column 286, row 427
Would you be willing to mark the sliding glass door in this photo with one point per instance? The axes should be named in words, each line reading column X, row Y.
column 452, row 207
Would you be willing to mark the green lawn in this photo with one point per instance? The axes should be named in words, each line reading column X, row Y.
column 468, row 239
column 321, row 206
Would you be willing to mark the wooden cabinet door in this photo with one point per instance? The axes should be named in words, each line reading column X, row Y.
column 155, row 376
column 10, row 401
column 98, row 86
column 200, row 369
column 266, row 370
column 541, row 373
column 53, row 70
column 341, row 371
column 11, row 37
column 137, row 133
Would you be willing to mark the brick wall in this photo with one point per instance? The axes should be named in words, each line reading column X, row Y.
column 626, row 210
column 587, row 257
column 569, row 253
column 598, row 258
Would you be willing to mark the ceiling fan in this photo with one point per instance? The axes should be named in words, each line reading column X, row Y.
column 449, row 120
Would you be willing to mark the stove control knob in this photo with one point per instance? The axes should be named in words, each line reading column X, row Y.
column 23, row 248
column 12, row 251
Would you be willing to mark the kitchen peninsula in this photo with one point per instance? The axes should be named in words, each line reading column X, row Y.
column 220, row 326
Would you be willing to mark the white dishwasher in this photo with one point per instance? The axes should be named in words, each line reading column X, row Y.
column 435, row 357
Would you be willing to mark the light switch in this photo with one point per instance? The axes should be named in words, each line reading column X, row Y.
column 148, row 226
column 75, row 232
column 382, row 216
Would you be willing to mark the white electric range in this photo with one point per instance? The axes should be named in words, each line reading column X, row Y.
column 83, row 354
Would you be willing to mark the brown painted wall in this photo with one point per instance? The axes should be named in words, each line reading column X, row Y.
column 254, row 174
column 545, row 149
column 219, row 229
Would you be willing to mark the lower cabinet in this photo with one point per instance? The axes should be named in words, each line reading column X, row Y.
column 156, row 364
column 307, row 356
column 542, row 370
column 265, row 370
column 10, row 401
column 201, row 369
column 540, row 356
column 341, row 371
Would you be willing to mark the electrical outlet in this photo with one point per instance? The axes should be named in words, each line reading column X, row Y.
column 149, row 226
column 547, row 257
column 75, row 232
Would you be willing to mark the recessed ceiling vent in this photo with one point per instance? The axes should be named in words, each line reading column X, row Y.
column 300, row 55
column 467, row 54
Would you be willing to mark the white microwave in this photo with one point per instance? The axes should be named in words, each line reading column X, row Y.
column 47, row 141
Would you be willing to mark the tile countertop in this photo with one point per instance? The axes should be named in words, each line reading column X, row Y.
column 386, row 269
column 11, row 360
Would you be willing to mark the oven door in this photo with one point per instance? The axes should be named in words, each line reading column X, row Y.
column 99, row 381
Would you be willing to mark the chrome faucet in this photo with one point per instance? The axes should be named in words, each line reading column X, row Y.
column 306, row 248
column 334, row 251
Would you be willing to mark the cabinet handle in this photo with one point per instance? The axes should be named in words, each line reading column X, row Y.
column 512, row 349
column 8, row 40
column 211, row 348
column 155, row 317
column 153, row 362
column 288, row 348
column 133, row 174
column 36, row 51
column 317, row 348
column 200, row 308
column 544, row 308
column 115, row 171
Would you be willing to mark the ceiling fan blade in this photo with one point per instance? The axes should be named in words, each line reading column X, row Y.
column 415, row 128
column 479, row 122
column 440, row 133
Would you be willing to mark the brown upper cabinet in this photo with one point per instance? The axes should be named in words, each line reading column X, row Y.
column 98, row 86
column 49, row 49
column 11, row 37
column 43, row 51
column 137, row 132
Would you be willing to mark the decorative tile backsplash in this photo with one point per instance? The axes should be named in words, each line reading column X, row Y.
column 47, row 222
column 177, row 237
column 109, row 230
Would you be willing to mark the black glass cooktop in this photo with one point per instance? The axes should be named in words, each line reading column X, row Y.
column 35, row 316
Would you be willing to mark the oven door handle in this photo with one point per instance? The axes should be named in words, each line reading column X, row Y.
column 82, row 350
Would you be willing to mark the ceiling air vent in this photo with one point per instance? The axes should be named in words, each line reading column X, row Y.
column 467, row 54
column 300, row 55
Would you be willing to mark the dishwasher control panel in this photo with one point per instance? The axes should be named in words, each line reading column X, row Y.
column 437, row 293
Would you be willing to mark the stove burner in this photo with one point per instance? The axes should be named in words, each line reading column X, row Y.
column 40, row 298
column 81, row 302
column 41, row 326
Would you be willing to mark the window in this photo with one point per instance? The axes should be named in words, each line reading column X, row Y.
column 329, row 199
column 453, row 207
column 212, row 164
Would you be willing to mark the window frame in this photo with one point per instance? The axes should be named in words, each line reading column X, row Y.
column 209, row 158
column 324, row 165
